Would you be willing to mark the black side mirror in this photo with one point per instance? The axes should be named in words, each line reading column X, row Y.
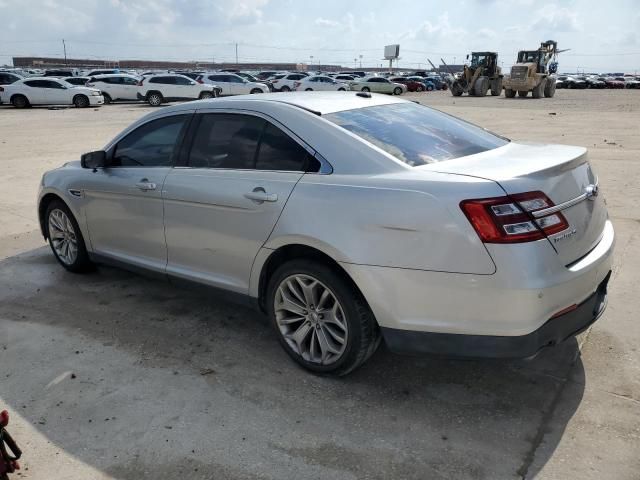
column 97, row 159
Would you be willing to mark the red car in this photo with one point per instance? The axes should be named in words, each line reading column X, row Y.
column 412, row 85
column 612, row 82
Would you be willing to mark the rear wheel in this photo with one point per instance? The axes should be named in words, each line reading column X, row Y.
column 107, row 98
column 509, row 93
column 19, row 101
column 65, row 238
column 366, row 89
column 419, row 88
column 429, row 88
column 397, row 91
column 154, row 99
column 308, row 89
column 206, row 95
column 496, row 86
column 321, row 320
column 342, row 89
column 256, row 90
column 456, row 89
column 81, row 101
column 523, row 93
column 285, row 89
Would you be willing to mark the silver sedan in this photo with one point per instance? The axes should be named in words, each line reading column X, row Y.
column 348, row 218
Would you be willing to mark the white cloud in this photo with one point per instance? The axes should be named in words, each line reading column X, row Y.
column 557, row 19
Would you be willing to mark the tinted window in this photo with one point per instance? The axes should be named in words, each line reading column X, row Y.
column 279, row 152
column 226, row 141
column 234, row 79
column 7, row 78
column 129, row 81
column 217, row 78
column 151, row 145
column 163, row 80
column 183, row 81
column 415, row 134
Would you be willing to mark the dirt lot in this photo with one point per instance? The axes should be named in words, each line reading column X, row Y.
column 112, row 375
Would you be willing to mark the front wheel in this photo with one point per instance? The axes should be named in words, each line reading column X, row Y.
column 308, row 89
column 256, row 90
column 366, row 89
column 509, row 93
column 285, row 89
column 429, row 88
column 154, row 99
column 419, row 89
column 81, row 101
column 65, row 238
column 107, row 98
column 342, row 89
column 206, row 95
column 322, row 321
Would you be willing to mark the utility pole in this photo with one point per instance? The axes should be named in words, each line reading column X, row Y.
column 355, row 63
column 64, row 47
column 361, row 61
column 236, row 54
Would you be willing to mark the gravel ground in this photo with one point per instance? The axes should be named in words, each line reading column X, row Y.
column 112, row 375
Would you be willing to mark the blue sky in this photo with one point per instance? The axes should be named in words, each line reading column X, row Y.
column 603, row 35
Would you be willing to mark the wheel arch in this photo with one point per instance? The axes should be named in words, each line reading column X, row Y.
column 44, row 203
column 80, row 95
column 19, row 95
column 285, row 253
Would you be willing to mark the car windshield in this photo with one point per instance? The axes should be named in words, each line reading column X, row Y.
column 415, row 134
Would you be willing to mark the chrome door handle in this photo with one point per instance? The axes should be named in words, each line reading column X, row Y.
column 259, row 195
column 146, row 185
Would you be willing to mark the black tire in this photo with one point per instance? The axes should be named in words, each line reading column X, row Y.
column 342, row 89
column 429, row 88
column 419, row 88
column 81, row 101
column 523, row 93
column 509, row 93
column 256, row 90
column 496, row 87
column 538, row 91
column 155, row 99
column 397, row 91
column 20, row 101
column 481, row 87
column 285, row 89
column 206, row 95
column 456, row 89
column 308, row 89
column 550, row 88
column 366, row 89
column 82, row 262
column 363, row 333
column 107, row 98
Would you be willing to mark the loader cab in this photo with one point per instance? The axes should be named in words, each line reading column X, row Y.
column 532, row 56
column 488, row 61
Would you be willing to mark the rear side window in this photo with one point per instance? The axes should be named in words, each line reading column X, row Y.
column 182, row 80
column 151, row 145
column 414, row 134
column 163, row 80
column 278, row 151
column 226, row 141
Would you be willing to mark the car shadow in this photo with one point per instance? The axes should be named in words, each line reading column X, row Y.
column 141, row 379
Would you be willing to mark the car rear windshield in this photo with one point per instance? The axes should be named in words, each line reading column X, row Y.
column 415, row 134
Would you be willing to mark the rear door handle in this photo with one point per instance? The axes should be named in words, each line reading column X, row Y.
column 259, row 195
column 146, row 185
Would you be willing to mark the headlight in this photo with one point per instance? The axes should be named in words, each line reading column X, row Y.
column 96, row 94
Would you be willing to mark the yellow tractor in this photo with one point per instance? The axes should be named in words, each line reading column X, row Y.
column 480, row 76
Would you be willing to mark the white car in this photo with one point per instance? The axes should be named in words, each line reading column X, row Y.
column 49, row 91
column 320, row 83
column 232, row 84
column 167, row 87
column 287, row 82
column 114, row 87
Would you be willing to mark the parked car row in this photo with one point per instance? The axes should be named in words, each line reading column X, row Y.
column 595, row 81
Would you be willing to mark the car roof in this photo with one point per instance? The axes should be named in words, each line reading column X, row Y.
column 321, row 103
column 109, row 75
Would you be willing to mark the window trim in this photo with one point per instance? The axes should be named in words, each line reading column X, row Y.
column 183, row 158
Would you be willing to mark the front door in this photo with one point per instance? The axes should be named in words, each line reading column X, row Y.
column 222, row 206
column 123, row 207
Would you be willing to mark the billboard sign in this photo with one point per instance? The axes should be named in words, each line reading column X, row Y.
column 391, row 52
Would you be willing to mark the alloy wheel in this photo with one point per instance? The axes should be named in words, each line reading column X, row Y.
column 63, row 237
column 311, row 319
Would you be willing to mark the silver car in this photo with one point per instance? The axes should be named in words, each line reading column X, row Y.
column 348, row 218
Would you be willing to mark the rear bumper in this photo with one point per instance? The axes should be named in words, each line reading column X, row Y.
column 554, row 331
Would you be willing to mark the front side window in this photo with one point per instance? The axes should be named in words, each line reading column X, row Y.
column 415, row 134
column 226, row 141
column 151, row 145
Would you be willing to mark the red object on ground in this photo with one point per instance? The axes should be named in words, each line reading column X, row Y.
column 8, row 462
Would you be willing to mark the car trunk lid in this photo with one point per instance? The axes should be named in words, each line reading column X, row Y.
column 561, row 172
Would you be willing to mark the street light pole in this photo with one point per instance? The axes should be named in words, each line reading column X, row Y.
column 360, row 61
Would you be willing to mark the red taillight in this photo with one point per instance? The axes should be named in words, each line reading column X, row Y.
column 199, row 81
column 296, row 84
column 510, row 219
column 140, row 82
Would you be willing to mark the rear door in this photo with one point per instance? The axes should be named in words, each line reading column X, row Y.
column 129, row 88
column 185, row 87
column 221, row 206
